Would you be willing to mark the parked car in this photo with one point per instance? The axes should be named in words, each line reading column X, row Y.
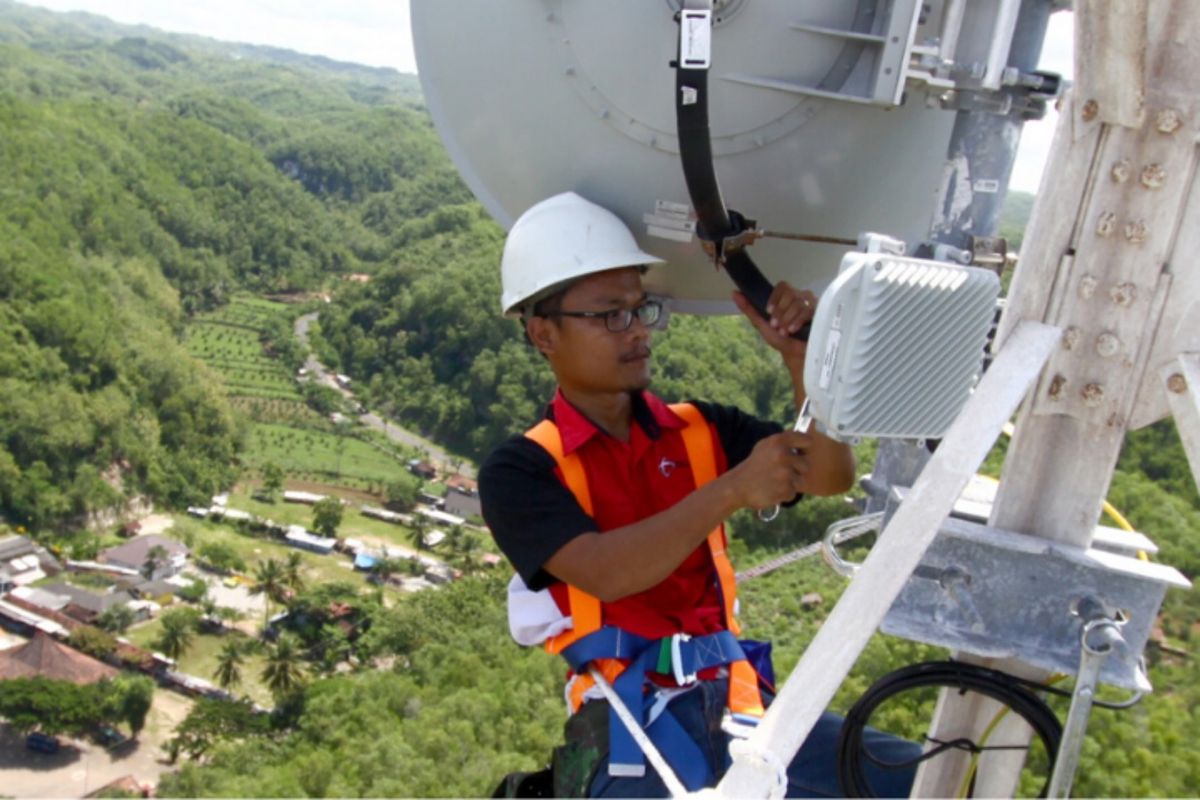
column 109, row 737
column 41, row 742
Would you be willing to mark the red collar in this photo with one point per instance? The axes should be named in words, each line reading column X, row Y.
column 652, row 414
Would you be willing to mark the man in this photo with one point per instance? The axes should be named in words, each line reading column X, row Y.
column 611, row 509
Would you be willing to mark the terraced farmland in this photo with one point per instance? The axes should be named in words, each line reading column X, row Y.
column 230, row 341
column 283, row 429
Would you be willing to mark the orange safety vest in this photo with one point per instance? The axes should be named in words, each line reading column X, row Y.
column 587, row 611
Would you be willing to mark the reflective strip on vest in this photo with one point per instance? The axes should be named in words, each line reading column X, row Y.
column 583, row 607
column 586, row 610
column 697, row 441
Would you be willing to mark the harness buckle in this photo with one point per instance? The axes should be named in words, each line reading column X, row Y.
column 681, row 678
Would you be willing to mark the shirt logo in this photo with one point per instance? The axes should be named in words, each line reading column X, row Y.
column 666, row 467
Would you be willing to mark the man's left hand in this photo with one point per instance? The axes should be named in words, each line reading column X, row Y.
column 788, row 309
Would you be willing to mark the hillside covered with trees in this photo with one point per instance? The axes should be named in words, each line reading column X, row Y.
column 150, row 177
column 146, row 179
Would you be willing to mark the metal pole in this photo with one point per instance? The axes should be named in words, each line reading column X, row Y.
column 979, row 163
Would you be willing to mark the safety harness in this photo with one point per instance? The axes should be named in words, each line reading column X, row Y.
column 627, row 661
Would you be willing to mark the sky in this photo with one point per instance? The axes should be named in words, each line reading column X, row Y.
column 377, row 33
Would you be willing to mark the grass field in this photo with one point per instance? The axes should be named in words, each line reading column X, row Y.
column 200, row 658
column 293, row 412
column 354, row 524
column 308, row 453
column 318, row 568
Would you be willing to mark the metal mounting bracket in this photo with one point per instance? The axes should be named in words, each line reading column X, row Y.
column 1000, row 594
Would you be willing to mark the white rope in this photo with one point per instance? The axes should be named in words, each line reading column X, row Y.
column 674, row 787
column 763, row 760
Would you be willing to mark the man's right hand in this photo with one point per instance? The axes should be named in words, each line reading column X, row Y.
column 775, row 471
column 635, row 557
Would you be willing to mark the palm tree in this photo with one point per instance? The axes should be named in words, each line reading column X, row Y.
column 229, row 664
column 269, row 580
column 283, row 671
column 385, row 568
column 115, row 619
column 467, row 547
column 208, row 608
column 176, row 635
column 419, row 527
column 293, row 568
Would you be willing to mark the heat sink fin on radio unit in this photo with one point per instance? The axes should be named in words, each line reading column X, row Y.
column 897, row 345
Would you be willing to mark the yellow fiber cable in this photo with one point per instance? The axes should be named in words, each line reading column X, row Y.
column 1001, row 713
column 1115, row 515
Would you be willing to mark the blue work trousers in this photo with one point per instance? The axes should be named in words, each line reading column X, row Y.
column 812, row 773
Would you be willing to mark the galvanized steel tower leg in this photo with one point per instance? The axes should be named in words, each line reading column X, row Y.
column 1117, row 205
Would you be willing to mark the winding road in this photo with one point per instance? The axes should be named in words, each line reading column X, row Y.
column 389, row 428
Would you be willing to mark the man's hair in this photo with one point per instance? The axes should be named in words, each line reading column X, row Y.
column 545, row 307
column 551, row 304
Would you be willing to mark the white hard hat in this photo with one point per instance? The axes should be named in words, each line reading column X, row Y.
column 558, row 240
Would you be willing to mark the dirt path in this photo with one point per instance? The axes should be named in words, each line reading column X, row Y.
column 81, row 766
column 155, row 523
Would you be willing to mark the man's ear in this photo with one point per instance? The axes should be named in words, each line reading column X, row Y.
column 543, row 333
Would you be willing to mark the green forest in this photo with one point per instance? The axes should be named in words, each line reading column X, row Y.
column 159, row 190
column 146, row 181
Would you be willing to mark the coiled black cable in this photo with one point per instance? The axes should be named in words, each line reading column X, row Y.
column 1007, row 689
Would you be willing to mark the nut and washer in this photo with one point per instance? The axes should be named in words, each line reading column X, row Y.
column 1137, row 231
column 1168, row 120
column 1154, row 176
column 1123, row 294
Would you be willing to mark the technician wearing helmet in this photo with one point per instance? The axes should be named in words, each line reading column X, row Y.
column 611, row 509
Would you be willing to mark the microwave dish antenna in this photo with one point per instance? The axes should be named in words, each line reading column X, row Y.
column 811, row 129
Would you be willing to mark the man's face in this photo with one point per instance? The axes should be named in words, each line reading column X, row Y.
column 584, row 353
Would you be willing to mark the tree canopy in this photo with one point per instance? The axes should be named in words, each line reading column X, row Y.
column 150, row 177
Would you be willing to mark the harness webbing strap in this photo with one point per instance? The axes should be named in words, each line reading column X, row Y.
column 689, row 654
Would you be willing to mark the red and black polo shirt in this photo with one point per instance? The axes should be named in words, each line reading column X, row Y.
column 532, row 514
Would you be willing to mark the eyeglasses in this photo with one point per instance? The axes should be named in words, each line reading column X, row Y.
column 618, row 319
